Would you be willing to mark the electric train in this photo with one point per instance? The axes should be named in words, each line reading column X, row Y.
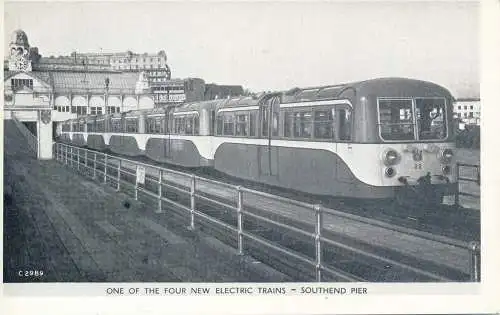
column 376, row 139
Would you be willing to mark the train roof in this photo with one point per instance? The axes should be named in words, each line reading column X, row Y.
column 391, row 86
column 196, row 106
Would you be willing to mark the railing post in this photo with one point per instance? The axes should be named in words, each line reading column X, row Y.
column 118, row 175
column 193, row 201
column 66, row 153
column 86, row 161
column 78, row 159
column 136, row 186
column 105, row 167
column 95, row 165
column 72, row 157
column 475, row 261
column 160, row 190
column 457, row 187
column 317, row 240
column 239, row 210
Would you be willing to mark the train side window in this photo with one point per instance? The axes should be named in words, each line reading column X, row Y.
column 265, row 122
column 252, row 122
column 116, row 125
column 220, row 122
column 196, row 124
column 212, row 122
column 131, row 125
column 323, row 124
column 302, row 126
column 241, row 125
column 99, row 126
column 90, row 127
column 287, row 124
column 228, row 124
column 344, row 123
column 189, row 125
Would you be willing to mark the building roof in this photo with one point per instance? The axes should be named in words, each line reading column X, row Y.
column 93, row 82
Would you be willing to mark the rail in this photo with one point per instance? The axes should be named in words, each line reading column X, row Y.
column 31, row 138
column 475, row 177
column 110, row 169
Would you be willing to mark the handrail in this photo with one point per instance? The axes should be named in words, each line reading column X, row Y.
column 31, row 138
column 66, row 154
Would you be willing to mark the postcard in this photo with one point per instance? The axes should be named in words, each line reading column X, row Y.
column 287, row 157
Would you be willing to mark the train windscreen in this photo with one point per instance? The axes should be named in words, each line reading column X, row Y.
column 431, row 118
column 396, row 119
column 412, row 119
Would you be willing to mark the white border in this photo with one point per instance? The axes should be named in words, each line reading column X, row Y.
column 485, row 301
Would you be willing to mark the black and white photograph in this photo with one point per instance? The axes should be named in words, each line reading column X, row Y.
column 242, row 148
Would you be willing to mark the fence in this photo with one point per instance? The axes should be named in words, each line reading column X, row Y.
column 30, row 138
column 475, row 170
column 115, row 171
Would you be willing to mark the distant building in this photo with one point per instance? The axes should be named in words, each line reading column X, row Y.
column 214, row 91
column 468, row 110
column 98, row 83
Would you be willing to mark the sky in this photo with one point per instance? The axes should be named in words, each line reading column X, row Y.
column 270, row 45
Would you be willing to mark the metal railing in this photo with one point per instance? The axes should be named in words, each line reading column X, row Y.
column 113, row 170
column 475, row 178
column 30, row 138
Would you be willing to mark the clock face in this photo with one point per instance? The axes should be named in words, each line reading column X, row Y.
column 22, row 64
column 19, row 63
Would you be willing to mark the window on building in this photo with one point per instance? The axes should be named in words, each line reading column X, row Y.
column 471, row 115
column 471, row 107
column 19, row 83
column 99, row 110
column 459, row 107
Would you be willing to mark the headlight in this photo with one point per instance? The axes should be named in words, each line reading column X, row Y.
column 446, row 155
column 390, row 172
column 446, row 170
column 391, row 157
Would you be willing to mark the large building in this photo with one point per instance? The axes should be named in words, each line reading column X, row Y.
column 468, row 110
column 97, row 83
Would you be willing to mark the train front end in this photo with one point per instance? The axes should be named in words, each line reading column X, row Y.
column 416, row 142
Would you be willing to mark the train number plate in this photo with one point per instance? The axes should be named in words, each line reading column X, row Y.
column 419, row 165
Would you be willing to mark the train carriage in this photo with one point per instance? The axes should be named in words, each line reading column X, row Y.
column 373, row 139
column 380, row 138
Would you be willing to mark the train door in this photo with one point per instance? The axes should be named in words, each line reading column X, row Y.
column 268, row 154
column 343, row 134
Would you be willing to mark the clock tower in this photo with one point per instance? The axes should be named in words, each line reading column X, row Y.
column 19, row 59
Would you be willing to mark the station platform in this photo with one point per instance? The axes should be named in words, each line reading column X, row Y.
column 71, row 229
